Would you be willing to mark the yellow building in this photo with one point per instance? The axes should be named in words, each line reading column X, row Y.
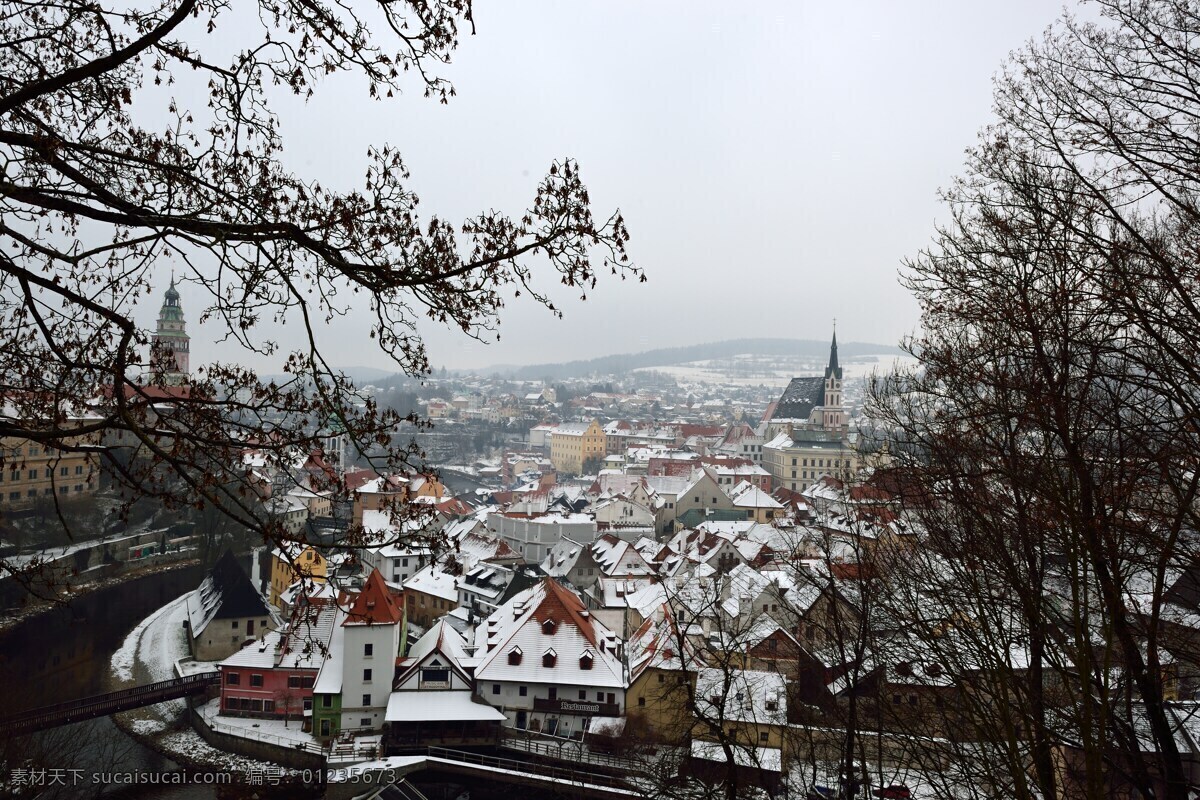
column 30, row 471
column 661, row 682
column 573, row 444
column 298, row 561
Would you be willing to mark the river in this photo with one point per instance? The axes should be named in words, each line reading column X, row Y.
column 63, row 654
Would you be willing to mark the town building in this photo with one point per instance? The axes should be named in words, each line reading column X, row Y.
column 293, row 562
column 548, row 664
column 31, row 471
column 275, row 676
column 372, row 629
column 576, row 444
column 433, row 700
column 226, row 611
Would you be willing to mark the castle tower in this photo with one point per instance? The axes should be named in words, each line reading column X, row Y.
column 833, row 415
column 171, row 340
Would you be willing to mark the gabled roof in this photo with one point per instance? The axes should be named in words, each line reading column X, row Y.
column 375, row 605
column 799, row 399
column 225, row 593
column 441, row 639
column 520, row 624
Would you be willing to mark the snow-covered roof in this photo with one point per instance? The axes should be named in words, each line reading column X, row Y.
column 744, row 695
column 329, row 679
column 301, row 645
column 747, row 495
column 444, row 706
column 225, row 593
column 433, row 581
column 767, row 758
column 572, row 632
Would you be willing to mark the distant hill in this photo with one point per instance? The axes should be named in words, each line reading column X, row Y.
column 668, row 356
column 360, row 375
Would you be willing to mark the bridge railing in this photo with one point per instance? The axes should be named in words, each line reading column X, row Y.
column 543, row 770
column 103, row 704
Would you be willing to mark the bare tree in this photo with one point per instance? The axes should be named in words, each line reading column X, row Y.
column 1053, row 414
column 111, row 180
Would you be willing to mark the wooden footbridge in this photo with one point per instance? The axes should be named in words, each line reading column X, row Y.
column 101, row 705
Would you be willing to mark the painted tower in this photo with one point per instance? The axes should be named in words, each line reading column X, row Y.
column 171, row 340
column 833, row 415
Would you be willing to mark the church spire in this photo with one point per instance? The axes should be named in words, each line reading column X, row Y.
column 833, row 370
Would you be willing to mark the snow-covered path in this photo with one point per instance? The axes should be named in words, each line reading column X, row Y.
column 148, row 654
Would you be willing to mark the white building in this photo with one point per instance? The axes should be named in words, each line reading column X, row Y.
column 372, row 643
column 548, row 664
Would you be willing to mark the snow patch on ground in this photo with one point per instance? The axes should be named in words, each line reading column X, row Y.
column 145, row 727
column 188, row 746
column 123, row 659
column 263, row 730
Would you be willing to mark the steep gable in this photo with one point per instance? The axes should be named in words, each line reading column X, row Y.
column 375, row 605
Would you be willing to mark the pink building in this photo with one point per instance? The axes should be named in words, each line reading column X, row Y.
column 274, row 677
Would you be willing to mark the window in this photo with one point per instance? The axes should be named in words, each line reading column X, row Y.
column 234, row 624
column 549, row 658
column 368, row 650
column 495, row 688
column 366, row 700
column 762, row 737
column 585, row 661
column 256, row 680
column 642, row 701
column 662, row 678
column 306, row 681
column 548, row 627
column 364, row 722
column 431, row 675
column 772, row 705
column 79, row 470
column 514, row 656
column 64, row 471
column 583, row 694
column 553, row 693
column 366, row 676
column 33, row 473
column 49, row 472
column 326, row 701
column 293, row 681
column 912, row 699
column 232, row 679
column 269, row 706
column 523, row 691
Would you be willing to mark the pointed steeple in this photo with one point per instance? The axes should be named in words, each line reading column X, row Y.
column 833, row 369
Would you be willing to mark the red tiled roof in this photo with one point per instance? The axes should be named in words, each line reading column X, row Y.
column 559, row 604
column 375, row 605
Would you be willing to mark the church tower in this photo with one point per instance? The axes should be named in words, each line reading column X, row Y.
column 833, row 415
column 171, row 344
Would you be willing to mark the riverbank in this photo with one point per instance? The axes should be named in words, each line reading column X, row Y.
column 75, row 592
column 148, row 654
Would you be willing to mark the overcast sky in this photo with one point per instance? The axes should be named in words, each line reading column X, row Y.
column 775, row 161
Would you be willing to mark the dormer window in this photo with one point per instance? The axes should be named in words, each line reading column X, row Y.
column 585, row 661
column 549, row 658
column 548, row 627
column 514, row 656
